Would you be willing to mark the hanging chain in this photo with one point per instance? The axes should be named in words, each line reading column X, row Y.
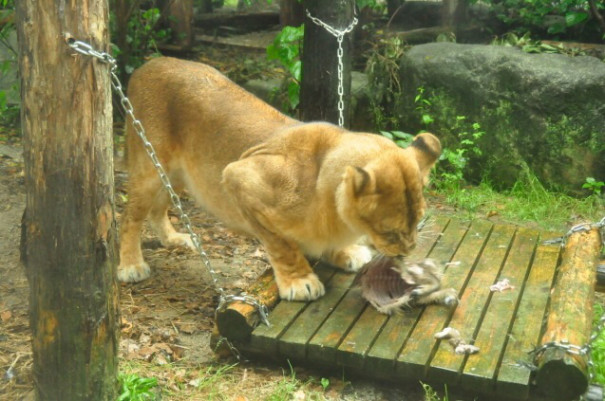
column 225, row 299
column 339, row 35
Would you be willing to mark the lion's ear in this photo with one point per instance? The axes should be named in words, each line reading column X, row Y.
column 427, row 149
column 359, row 181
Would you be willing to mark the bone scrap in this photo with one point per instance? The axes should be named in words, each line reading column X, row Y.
column 501, row 285
column 454, row 339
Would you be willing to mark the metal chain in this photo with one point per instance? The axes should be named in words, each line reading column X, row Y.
column 575, row 229
column 339, row 35
column 225, row 299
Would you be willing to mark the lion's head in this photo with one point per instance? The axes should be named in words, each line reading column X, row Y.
column 384, row 200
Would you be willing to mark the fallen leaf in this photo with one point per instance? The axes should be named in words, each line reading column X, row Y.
column 6, row 316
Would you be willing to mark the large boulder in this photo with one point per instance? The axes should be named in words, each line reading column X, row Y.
column 542, row 111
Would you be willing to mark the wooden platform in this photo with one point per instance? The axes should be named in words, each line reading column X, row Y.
column 340, row 330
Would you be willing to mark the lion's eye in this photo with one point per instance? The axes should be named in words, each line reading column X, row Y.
column 392, row 236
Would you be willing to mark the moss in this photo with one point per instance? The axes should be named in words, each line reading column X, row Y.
column 562, row 152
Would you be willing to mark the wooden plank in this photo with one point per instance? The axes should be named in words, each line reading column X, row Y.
column 292, row 343
column 264, row 338
column 356, row 344
column 562, row 375
column 413, row 359
column 322, row 347
column 480, row 371
column 513, row 377
column 446, row 365
column 352, row 350
column 381, row 357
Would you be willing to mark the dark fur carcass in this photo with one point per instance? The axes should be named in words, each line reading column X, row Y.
column 389, row 284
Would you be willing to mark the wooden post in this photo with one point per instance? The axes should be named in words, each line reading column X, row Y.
column 180, row 20
column 291, row 13
column 238, row 319
column 564, row 375
column 319, row 88
column 68, row 228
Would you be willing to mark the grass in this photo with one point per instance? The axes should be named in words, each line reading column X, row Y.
column 135, row 388
column 527, row 203
column 598, row 348
column 217, row 381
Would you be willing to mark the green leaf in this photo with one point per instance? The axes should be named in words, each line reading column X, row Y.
column 387, row 134
column 296, row 70
column 403, row 135
column 556, row 28
column 325, row 382
column 294, row 94
column 574, row 18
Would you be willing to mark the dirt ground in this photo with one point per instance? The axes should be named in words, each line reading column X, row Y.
column 167, row 320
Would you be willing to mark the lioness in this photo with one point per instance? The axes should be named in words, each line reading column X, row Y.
column 300, row 188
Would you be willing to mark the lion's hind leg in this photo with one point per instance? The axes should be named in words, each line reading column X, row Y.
column 160, row 222
column 143, row 188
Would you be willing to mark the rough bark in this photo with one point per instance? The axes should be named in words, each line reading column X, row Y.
column 562, row 375
column 319, row 89
column 179, row 14
column 291, row 13
column 238, row 319
column 68, row 229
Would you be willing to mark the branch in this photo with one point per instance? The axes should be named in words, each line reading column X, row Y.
column 597, row 15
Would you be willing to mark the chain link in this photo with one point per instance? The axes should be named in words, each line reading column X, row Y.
column 339, row 35
column 225, row 299
column 582, row 227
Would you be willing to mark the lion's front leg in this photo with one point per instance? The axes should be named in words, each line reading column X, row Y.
column 295, row 279
column 252, row 190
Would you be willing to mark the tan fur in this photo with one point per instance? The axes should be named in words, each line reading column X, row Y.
column 300, row 188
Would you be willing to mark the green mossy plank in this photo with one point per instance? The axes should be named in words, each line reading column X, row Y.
column 354, row 347
column 292, row 344
column 322, row 347
column 381, row 357
column 351, row 351
column 479, row 373
column 264, row 339
column 513, row 378
column 414, row 358
column 446, row 365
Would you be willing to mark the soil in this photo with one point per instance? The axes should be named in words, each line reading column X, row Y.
column 167, row 320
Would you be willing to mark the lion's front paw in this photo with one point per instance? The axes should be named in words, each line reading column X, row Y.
column 352, row 258
column 178, row 240
column 305, row 288
column 133, row 273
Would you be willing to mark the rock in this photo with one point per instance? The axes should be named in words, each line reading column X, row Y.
column 544, row 111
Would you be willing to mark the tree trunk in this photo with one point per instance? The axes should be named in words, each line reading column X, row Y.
column 68, row 229
column 291, row 13
column 319, row 89
column 179, row 15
